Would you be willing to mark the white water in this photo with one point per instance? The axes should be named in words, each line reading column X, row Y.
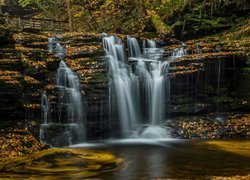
column 154, row 132
column 69, row 120
column 124, row 85
column 70, row 100
column 179, row 52
column 138, row 93
column 133, row 47
column 150, row 50
column 56, row 48
column 149, row 44
column 45, row 109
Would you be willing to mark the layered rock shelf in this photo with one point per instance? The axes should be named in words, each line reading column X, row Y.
column 197, row 85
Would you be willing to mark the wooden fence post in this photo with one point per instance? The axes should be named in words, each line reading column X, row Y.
column 30, row 23
column 19, row 23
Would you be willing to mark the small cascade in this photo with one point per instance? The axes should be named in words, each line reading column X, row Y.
column 149, row 44
column 153, row 84
column 124, row 86
column 150, row 50
column 45, row 109
column 52, row 44
column 218, row 91
column 69, row 95
column 198, row 49
column 67, row 127
column 133, row 47
column 139, row 91
column 179, row 52
column 56, row 48
column 218, row 48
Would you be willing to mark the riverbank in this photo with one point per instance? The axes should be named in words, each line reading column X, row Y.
column 18, row 142
column 229, row 126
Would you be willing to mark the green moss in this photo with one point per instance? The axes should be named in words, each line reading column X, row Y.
column 149, row 35
column 160, row 26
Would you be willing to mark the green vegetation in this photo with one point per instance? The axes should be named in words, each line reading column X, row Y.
column 193, row 17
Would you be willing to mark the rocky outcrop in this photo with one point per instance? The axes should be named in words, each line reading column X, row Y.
column 210, row 78
column 85, row 56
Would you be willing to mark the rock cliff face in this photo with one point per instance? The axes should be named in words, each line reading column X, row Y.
column 27, row 70
column 210, row 78
column 215, row 80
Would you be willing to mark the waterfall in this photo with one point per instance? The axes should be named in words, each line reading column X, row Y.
column 56, row 48
column 51, row 44
column 139, row 90
column 124, row 85
column 150, row 50
column 154, row 85
column 45, row 109
column 149, row 44
column 70, row 101
column 133, row 47
column 67, row 127
column 179, row 52
column 198, row 49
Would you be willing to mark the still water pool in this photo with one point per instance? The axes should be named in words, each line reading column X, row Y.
column 179, row 159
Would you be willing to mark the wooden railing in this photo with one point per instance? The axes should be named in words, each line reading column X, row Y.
column 36, row 23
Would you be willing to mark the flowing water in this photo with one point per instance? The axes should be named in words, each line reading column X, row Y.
column 139, row 93
column 45, row 109
column 68, row 126
column 179, row 52
column 138, row 88
column 175, row 160
column 139, row 96
column 141, row 159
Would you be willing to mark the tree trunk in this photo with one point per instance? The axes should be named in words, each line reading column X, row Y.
column 139, row 7
column 69, row 15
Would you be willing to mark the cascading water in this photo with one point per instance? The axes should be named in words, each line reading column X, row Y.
column 150, row 50
column 153, row 84
column 149, row 44
column 124, row 85
column 133, row 46
column 198, row 49
column 70, row 101
column 45, row 109
column 179, row 52
column 138, row 91
column 67, row 128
